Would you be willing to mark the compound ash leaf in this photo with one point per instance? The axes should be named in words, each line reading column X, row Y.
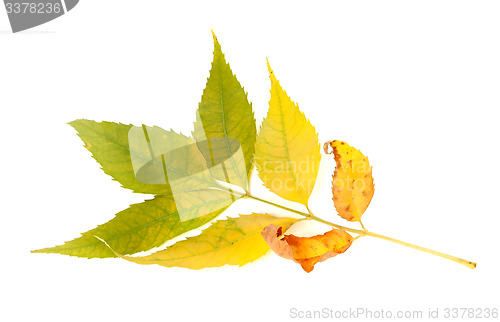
column 146, row 225
column 225, row 113
column 352, row 184
column 287, row 152
column 109, row 144
column 235, row 241
column 307, row 251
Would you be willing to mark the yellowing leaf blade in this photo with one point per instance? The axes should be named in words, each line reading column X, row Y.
column 287, row 150
column 146, row 225
column 352, row 185
column 235, row 241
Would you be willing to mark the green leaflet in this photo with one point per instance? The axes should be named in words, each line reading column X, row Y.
column 145, row 159
column 141, row 158
column 224, row 112
column 108, row 142
column 146, row 225
column 235, row 241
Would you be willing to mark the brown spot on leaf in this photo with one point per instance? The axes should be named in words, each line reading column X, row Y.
column 352, row 169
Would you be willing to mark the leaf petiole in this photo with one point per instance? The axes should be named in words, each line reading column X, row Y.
column 279, row 206
column 365, row 232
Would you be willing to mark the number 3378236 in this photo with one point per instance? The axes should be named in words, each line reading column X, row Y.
column 476, row 313
column 31, row 7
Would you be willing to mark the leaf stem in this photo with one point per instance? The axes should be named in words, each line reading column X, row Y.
column 279, row 206
column 362, row 226
column 462, row 261
column 365, row 232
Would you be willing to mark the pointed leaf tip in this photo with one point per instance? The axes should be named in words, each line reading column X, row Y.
column 225, row 116
column 146, row 225
column 271, row 73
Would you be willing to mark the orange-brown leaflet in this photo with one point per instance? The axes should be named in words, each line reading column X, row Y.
column 307, row 251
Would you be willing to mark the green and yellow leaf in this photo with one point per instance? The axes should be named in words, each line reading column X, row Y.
column 147, row 225
column 235, row 241
column 109, row 144
column 287, row 150
column 224, row 113
column 352, row 185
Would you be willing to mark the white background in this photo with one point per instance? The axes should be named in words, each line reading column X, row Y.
column 412, row 84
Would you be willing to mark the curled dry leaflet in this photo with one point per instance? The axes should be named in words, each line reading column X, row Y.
column 195, row 179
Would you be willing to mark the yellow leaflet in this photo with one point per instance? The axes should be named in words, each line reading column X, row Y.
column 353, row 186
column 287, row 150
column 235, row 241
